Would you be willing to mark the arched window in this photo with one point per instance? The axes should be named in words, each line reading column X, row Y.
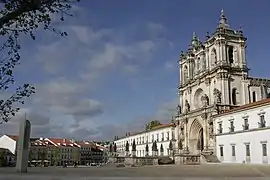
column 253, row 96
column 230, row 54
column 234, row 100
column 214, row 56
column 185, row 73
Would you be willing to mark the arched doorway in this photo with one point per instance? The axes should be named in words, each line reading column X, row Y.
column 196, row 140
column 200, row 143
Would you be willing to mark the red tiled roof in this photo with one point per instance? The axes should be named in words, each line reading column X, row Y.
column 86, row 144
column 13, row 137
column 161, row 126
column 246, row 106
column 101, row 148
column 62, row 142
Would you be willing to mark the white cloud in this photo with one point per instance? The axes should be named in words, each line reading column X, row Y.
column 169, row 65
column 65, row 103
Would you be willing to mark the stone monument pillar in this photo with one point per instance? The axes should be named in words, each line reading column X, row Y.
column 23, row 146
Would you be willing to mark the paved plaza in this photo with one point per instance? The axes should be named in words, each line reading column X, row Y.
column 213, row 171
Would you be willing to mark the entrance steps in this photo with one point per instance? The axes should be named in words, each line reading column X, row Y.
column 210, row 158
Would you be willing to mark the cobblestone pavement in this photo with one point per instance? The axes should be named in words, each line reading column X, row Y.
column 209, row 172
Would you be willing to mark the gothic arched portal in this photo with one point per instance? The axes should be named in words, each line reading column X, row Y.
column 196, row 141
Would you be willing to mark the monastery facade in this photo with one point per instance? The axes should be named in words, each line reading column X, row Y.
column 216, row 88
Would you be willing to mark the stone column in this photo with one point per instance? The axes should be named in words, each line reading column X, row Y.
column 225, row 90
column 185, row 150
column 242, row 55
column 245, row 95
column 23, row 146
column 224, row 53
column 205, row 131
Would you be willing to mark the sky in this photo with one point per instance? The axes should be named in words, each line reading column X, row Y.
column 117, row 68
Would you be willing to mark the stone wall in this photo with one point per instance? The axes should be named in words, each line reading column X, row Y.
column 187, row 159
column 136, row 161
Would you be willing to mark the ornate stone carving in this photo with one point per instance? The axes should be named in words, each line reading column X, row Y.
column 207, row 81
column 211, row 142
column 180, row 144
column 182, row 132
column 189, row 90
column 204, row 115
column 217, row 95
column 182, row 55
column 187, row 106
column 181, row 93
column 243, row 44
column 179, row 109
column 205, row 100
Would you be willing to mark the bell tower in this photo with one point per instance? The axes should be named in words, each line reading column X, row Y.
column 213, row 78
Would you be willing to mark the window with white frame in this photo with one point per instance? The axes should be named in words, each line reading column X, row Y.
column 233, row 150
column 221, row 151
column 262, row 122
column 220, row 129
column 247, row 149
column 264, row 149
column 231, row 127
column 245, row 125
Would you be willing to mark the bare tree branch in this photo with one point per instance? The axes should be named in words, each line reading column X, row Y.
column 23, row 17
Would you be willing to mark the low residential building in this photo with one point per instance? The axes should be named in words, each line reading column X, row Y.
column 86, row 152
column 162, row 135
column 6, row 157
column 56, row 151
column 64, row 151
column 9, row 142
column 242, row 134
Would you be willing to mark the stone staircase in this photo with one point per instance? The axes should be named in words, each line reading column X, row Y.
column 210, row 158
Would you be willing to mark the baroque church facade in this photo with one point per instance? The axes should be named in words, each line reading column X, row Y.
column 214, row 77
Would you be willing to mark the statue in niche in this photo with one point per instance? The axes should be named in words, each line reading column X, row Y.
column 178, row 109
column 211, row 142
column 205, row 100
column 235, row 55
column 198, row 64
column 217, row 96
column 185, row 73
column 203, row 62
column 187, row 106
column 182, row 131
column 211, row 128
column 214, row 56
column 192, row 68
column 180, row 144
column 182, row 55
